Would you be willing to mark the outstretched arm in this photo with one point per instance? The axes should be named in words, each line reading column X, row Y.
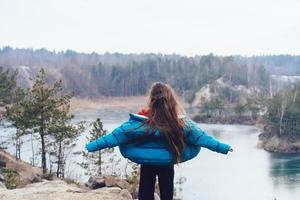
column 124, row 133
column 196, row 136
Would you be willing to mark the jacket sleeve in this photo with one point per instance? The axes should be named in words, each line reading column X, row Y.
column 122, row 134
column 196, row 136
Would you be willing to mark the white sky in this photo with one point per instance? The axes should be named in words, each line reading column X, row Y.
column 187, row 27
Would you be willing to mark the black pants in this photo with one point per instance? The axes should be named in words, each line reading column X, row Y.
column 165, row 180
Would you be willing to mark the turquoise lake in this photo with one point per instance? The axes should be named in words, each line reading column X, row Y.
column 249, row 173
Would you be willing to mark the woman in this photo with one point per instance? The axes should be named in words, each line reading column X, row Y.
column 157, row 138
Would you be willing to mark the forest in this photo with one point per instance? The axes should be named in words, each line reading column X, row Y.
column 113, row 74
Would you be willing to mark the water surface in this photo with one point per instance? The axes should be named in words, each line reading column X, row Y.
column 248, row 173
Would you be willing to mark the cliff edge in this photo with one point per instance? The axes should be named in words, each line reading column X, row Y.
column 60, row 190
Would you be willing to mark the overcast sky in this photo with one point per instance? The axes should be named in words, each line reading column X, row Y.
column 187, row 27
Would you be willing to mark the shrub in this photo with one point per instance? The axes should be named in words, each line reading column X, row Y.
column 12, row 178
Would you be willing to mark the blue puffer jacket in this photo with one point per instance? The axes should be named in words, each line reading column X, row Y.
column 153, row 149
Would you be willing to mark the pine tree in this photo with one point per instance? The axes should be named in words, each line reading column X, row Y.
column 15, row 114
column 64, row 137
column 93, row 162
column 43, row 108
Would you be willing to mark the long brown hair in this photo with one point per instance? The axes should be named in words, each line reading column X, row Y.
column 164, row 111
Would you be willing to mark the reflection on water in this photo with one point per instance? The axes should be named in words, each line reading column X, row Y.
column 285, row 170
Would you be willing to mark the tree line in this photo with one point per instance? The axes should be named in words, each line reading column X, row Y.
column 95, row 75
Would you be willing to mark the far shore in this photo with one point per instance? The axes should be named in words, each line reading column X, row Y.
column 108, row 102
column 112, row 102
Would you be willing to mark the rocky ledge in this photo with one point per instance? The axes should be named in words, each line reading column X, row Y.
column 20, row 180
column 284, row 144
column 210, row 119
column 105, row 187
column 60, row 190
column 25, row 172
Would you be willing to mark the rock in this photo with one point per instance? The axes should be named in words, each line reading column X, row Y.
column 110, row 181
column 122, row 193
column 76, row 190
column 59, row 190
column 34, row 178
column 125, row 194
column 123, row 184
column 96, row 182
column 114, row 190
column 84, row 186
